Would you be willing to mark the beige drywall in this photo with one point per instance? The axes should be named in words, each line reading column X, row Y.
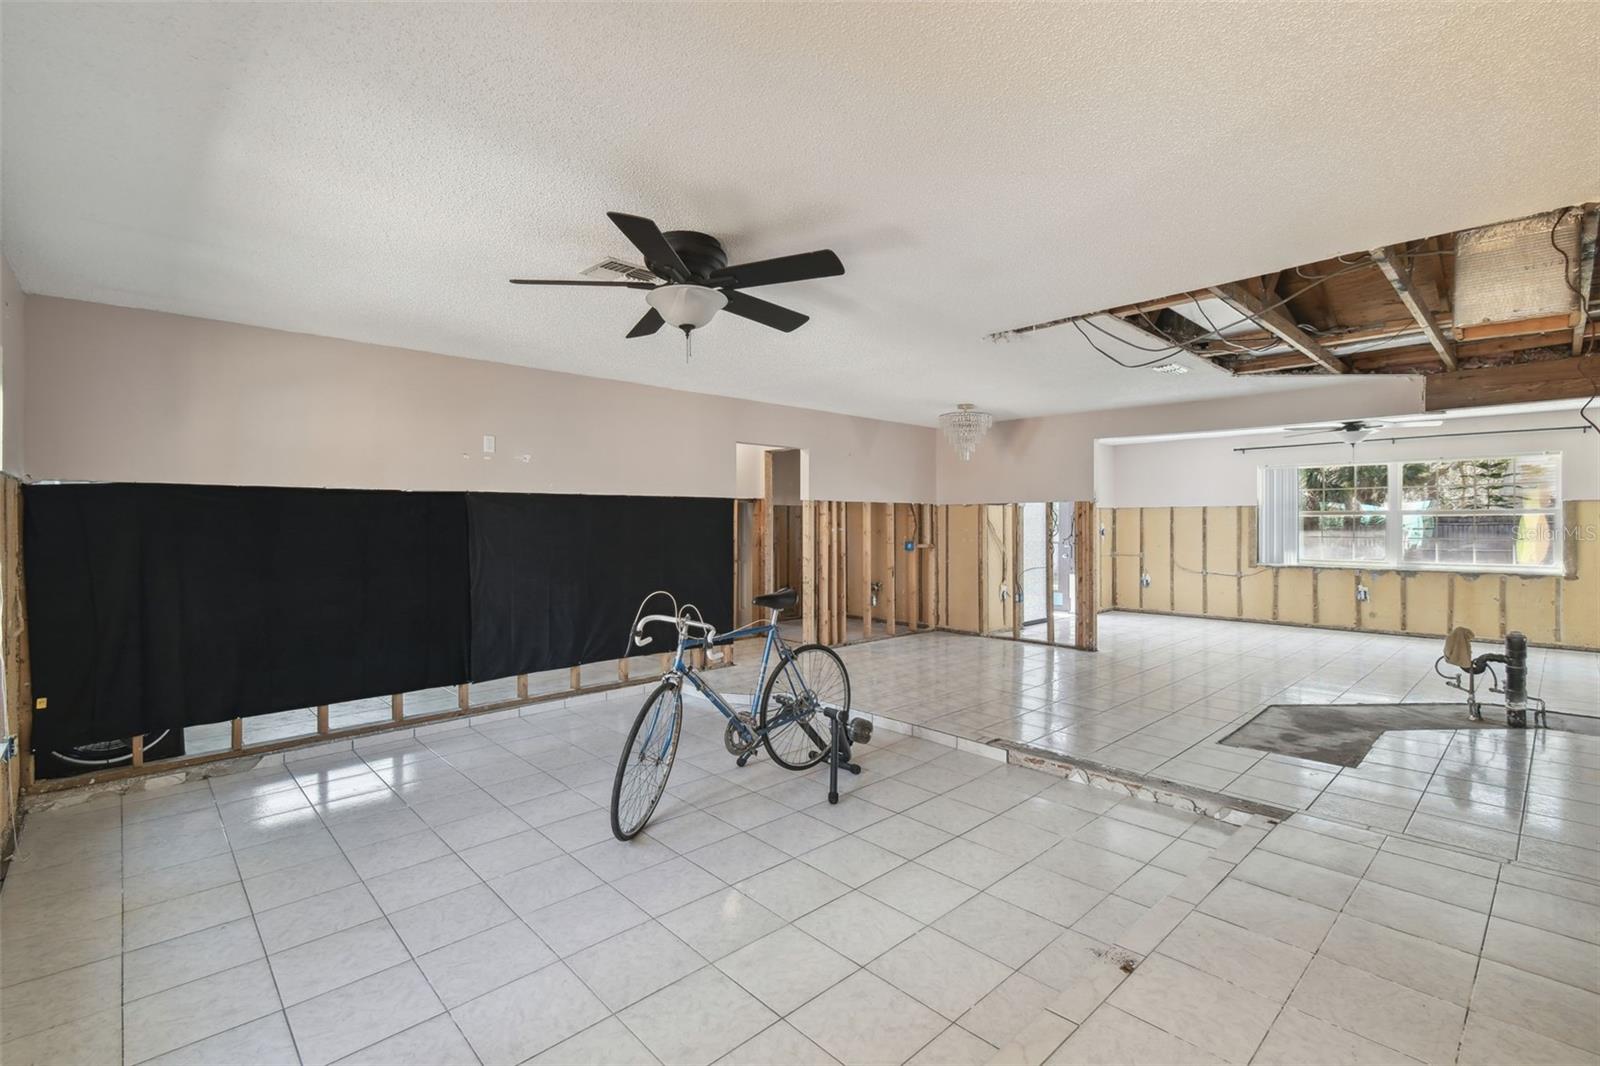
column 961, row 557
column 1127, row 545
column 1056, row 458
column 114, row 394
column 1208, row 471
column 12, row 362
column 1157, row 541
column 1188, row 560
column 1215, row 574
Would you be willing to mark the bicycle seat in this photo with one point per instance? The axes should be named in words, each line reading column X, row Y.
column 781, row 600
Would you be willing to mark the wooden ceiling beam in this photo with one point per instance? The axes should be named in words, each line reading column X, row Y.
column 1149, row 306
column 1387, row 357
column 1515, row 328
column 1547, row 379
column 1272, row 364
column 1398, row 327
column 1280, row 325
column 1416, row 355
column 1588, row 237
column 1399, row 274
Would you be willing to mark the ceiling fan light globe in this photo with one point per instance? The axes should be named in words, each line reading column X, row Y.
column 686, row 306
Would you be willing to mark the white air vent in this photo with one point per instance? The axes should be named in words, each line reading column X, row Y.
column 618, row 270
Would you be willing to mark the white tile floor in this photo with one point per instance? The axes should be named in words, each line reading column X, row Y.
column 457, row 897
column 1163, row 691
column 1318, row 942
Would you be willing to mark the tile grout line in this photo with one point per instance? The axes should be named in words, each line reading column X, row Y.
column 388, row 922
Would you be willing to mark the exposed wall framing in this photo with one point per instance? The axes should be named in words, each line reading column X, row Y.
column 1201, row 561
column 18, row 690
column 842, row 555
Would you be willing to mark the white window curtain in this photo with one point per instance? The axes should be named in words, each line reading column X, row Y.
column 1277, row 517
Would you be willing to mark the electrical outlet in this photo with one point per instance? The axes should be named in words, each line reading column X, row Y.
column 1362, row 592
column 8, row 748
column 1144, row 581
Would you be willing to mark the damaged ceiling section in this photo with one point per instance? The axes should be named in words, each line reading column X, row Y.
column 1515, row 298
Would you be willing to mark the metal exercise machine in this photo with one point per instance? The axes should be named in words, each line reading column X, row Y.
column 1458, row 653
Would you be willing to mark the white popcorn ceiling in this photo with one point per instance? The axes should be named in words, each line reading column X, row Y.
column 376, row 172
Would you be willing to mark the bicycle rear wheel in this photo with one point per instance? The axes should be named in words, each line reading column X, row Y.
column 793, row 728
column 646, row 761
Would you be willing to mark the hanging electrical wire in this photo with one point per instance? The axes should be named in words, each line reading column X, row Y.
column 1198, row 306
column 1126, row 366
column 1587, row 348
column 1172, row 348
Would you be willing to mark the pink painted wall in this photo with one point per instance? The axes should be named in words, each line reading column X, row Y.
column 1208, row 472
column 1055, row 458
column 115, row 394
column 12, row 344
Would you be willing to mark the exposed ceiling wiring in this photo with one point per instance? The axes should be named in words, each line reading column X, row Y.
column 1126, row 366
column 1198, row 306
column 1583, row 315
column 1213, row 334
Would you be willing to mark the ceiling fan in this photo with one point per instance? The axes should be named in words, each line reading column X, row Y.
column 1356, row 430
column 697, row 282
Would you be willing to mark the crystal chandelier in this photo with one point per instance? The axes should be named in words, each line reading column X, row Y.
column 964, row 428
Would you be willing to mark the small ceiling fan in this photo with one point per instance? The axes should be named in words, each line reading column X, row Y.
column 1356, row 430
column 697, row 282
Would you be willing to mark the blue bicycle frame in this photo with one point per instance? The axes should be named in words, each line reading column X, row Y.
column 686, row 671
column 654, row 749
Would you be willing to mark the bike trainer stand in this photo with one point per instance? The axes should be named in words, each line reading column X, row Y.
column 845, row 734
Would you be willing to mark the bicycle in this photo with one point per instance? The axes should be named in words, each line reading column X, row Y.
column 807, row 687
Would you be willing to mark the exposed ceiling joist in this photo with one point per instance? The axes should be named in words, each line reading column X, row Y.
column 1148, row 306
column 1280, row 325
column 1394, row 268
column 1515, row 328
column 1548, row 379
column 1423, row 355
column 1271, row 364
column 1399, row 308
column 1588, row 237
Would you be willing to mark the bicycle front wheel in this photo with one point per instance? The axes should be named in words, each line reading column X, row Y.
column 793, row 728
column 646, row 761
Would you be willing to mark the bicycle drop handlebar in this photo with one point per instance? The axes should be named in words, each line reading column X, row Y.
column 682, row 624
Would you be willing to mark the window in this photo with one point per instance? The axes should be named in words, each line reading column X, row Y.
column 1452, row 514
column 1344, row 514
column 1472, row 513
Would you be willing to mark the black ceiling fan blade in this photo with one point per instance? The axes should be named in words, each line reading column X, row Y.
column 647, row 325
column 601, row 284
column 802, row 267
column 759, row 310
column 659, row 256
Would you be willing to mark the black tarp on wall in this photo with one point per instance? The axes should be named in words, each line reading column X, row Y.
column 161, row 606
column 556, row 579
